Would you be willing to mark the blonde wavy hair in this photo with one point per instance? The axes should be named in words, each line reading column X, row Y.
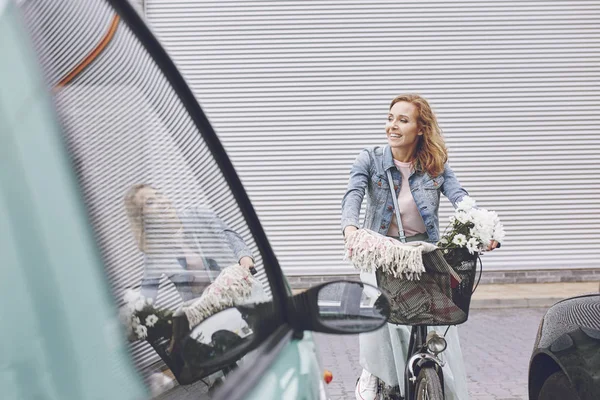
column 138, row 211
column 135, row 214
column 431, row 154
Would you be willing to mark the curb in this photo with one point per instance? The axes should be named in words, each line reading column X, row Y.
column 536, row 295
column 486, row 304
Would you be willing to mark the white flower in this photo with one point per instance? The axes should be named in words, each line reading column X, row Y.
column 140, row 304
column 484, row 225
column 135, row 321
column 473, row 245
column 444, row 241
column 482, row 233
column 466, row 204
column 151, row 320
column 131, row 296
column 141, row 331
column 475, row 233
column 486, row 221
column 498, row 234
column 463, row 217
column 460, row 240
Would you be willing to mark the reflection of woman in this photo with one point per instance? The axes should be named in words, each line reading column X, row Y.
column 174, row 244
column 416, row 156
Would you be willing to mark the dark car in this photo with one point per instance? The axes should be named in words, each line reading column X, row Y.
column 565, row 363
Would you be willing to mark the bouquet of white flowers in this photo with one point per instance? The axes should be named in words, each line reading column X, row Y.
column 471, row 228
column 142, row 319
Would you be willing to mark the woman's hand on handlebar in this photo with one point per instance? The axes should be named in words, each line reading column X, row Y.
column 248, row 262
column 493, row 245
column 349, row 229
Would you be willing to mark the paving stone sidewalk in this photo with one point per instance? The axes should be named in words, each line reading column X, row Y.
column 497, row 341
column 496, row 345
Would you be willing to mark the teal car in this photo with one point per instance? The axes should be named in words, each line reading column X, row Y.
column 113, row 182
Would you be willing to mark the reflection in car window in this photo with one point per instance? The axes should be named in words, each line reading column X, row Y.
column 189, row 246
column 167, row 223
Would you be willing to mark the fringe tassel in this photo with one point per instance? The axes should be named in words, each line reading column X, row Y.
column 232, row 286
column 368, row 250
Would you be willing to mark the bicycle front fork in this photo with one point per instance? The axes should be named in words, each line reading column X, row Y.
column 420, row 356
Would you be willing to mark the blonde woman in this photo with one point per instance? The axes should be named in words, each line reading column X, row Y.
column 417, row 157
column 189, row 248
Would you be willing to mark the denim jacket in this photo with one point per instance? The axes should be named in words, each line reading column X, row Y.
column 368, row 176
column 205, row 231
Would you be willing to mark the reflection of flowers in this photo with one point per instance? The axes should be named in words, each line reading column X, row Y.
column 151, row 320
column 140, row 304
column 141, row 331
column 142, row 320
column 473, row 228
column 131, row 296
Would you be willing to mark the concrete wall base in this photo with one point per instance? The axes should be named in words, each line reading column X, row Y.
column 488, row 277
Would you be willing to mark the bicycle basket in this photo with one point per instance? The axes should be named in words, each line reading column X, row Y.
column 437, row 298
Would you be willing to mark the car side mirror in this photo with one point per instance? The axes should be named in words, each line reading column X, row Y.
column 342, row 307
column 222, row 339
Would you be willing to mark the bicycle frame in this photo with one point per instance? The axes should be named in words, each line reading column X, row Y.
column 419, row 356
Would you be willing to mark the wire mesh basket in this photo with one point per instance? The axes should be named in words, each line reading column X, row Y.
column 441, row 296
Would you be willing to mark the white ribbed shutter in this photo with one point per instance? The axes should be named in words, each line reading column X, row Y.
column 295, row 89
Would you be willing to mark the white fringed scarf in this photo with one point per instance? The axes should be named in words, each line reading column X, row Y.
column 369, row 250
column 234, row 285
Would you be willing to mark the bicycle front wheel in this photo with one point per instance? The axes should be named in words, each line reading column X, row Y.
column 428, row 385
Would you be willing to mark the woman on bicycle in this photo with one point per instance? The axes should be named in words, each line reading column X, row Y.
column 417, row 157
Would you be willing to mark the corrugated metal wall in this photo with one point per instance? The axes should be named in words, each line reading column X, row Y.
column 295, row 89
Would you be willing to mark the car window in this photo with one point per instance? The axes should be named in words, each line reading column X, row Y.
column 171, row 233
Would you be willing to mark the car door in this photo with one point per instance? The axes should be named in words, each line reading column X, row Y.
column 59, row 339
column 294, row 373
column 135, row 134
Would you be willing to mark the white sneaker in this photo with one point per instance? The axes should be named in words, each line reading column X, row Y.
column 366, row 387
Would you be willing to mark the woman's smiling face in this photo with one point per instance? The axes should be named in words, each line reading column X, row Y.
column 402, row 126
